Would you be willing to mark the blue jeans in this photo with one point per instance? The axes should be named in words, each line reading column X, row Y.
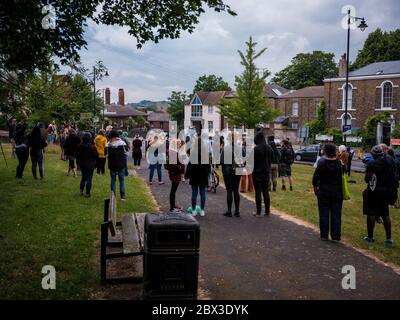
column 195, row 191
column 52, row 138
column 157, row 167
column 87, row 176
column 330, row 213
column 121, row 178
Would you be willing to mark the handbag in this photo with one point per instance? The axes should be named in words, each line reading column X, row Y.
column 345, row 187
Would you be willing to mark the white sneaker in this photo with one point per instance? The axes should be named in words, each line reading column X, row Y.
column 202, row 213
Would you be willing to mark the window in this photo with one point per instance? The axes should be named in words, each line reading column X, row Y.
column 295, row 109
column 197, row 111
column 387, row 95
column 349, row 97
column 210, row 126
column 348, row 122
column 210, row 109
column 295, row 125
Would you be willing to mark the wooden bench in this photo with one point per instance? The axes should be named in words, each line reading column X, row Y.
column 126, row 234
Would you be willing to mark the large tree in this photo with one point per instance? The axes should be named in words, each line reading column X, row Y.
column 379, row 46
column 211, row 83
column 307, row 69
column 249, row 108
column 177, row 106
column 29, row 29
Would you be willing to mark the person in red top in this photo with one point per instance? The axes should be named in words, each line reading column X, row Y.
column 176, row 169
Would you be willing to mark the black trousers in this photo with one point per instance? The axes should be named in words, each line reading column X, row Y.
column 23, row 156
column 172, row 194
column 261, row 189
column 101, row 163
column 232, row 183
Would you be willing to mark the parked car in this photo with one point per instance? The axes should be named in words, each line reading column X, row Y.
column 368, row 156
column 309, row 153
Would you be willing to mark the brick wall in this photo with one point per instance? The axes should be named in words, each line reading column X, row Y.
column 307, row 110
column 366, row 100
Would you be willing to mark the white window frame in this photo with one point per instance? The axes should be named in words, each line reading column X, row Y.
column 382, row 94
column 196, row 110
column 342, row 119
column 210, row 109
column 212, row 126
column 295, row 125
column 349, row 97
column 293, row 109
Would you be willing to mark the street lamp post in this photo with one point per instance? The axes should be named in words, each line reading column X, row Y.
column 94, row 97
column 362, row 26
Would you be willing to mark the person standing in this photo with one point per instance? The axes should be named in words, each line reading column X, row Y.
column 381, row 191
column 351, row 156
column 276, row 159
column 262, row 166
column 100, row 143
column 198, row 174
column 12, row 126
column 63, row 138
column 344, row 157
column 231, row 179
column 115, row 152
column 86, row 156
column 155, row 163
column 175, row 172
column 71, row 145
column 137, row 151
column 287, row 159
column 124, row 137
column 327, row 183
column 246, row 178
column 37, row 143
column 21, row 148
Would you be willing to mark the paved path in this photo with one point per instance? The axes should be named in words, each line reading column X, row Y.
column 272, row 258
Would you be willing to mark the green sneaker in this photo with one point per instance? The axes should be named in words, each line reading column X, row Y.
column 198, row 210
column 369, row 240
column 190, row 210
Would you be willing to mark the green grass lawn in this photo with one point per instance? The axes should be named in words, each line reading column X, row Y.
column 48, row 223
column 303, row 204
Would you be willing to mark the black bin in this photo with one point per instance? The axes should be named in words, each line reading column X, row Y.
column 171, row 256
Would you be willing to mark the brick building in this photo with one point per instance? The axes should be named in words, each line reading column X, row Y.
column 373, row 89
column 159, row 120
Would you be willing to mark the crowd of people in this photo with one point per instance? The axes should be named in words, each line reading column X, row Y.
column 86, row 152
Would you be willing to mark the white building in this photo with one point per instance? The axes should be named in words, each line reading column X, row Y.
column 203, row 112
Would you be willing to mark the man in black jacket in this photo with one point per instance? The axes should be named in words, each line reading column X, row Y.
column 263, row 155
column 115, row 151
column 86, row 156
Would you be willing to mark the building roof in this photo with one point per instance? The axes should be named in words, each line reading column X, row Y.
column 117, row 110
column 377, row 68
column 307, row 92
column 159, row 117
column 272, row 90
column 211, row 98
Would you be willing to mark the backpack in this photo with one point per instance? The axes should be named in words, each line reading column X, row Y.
column 289, row 156
column 276, row 156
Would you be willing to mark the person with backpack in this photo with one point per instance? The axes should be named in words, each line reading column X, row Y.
column 175, row 172
column 71, row 144
column 287, row 159
column 86, row 156
column 262, row 166
column 231, row 179
column 115, row 152
column 276, row 159
column 327, row 183
column 137, row 151
column 37, row 143
column 381, row 191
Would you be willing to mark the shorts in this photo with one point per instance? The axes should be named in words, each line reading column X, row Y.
column 285, row 170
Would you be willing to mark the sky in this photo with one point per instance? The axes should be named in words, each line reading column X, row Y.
column 284, row 27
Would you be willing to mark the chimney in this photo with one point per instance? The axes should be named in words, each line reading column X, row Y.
column 342, row 66
column 107, row 96
column 121, row 97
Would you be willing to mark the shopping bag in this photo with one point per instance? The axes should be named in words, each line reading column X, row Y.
column 345, row 187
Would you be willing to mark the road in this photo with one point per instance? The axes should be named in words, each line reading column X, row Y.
column 356, row 165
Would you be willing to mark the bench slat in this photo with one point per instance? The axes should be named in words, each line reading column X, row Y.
column 129, row 234
column 140, row 227
column 112, row 214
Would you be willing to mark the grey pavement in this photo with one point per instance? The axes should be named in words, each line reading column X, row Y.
column 272, row 258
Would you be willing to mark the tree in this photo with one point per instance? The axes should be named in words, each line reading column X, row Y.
column 249, row 108
column 318, row 125
column 379, row 46
column 307, row 69
column 176, row 107
column 211, row 83
column 27, row 34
